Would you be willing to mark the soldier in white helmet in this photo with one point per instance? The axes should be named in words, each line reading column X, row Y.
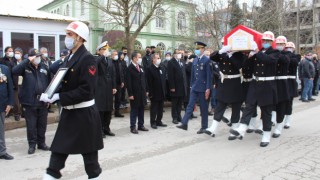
column 262, row 90
column 79, row 129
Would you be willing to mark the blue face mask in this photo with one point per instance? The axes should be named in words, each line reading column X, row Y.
column 266, row 45
column 197, row 52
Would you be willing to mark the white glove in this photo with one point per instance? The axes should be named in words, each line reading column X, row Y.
column 254, row 45
column 224, row 49
column 230, row 54
column 44, row 98
column 54, row 98
column 252, row 53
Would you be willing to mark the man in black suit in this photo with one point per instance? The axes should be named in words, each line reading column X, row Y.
column 119, row 82
column 137, row 92
column 146, row 61
column 157, row 90
column 177, row 85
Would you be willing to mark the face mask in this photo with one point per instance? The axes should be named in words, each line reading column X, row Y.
column 289, row 49
column 179, row 56
column 148, row 52
column 265, row 45
column 37, row 60
column 69, row 42
column 139, row 61
column 158, row 62
column 168, row 58
column 309, row 57
column 106, row 53
column 124, row 54
column 280, row 48
column 115, row 58
column 10, row 54
column 17, row 56
column 45, row 55
column 197, row 52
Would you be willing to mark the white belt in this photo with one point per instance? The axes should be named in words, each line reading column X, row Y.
column 225, row 76
column 247, row 79
column 80, row 105
column 291, row 77
column 281, row 77
column 264, row 78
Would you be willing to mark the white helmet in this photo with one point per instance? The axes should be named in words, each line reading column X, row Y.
column 281, row 40
column 268, row 35
column 79, row 28
column 290, row 45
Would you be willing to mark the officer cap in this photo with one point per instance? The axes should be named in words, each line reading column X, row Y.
column 33, row 52
column 200, row 44
column 105, row 43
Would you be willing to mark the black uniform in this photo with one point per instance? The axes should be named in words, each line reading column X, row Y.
column 229, row 90
column 104, row 95
column 119, row 80
column 79, row 130
column 292, row 79
column 262, row 90
column 35, row 82
column 177, row 81
column 157, row 92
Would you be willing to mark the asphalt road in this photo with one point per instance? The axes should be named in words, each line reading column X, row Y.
column 171, row 153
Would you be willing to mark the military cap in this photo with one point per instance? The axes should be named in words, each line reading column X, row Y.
column 105, row 43
column 200, row 44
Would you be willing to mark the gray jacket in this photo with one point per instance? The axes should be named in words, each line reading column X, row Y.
column 307, row 69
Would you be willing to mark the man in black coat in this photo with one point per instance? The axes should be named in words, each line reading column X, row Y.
column 177, row 85
column 262, row 90
column 137, row 92
column 119, row 82
column 146, row 60
column 157, row 90
column 79, row 129
column 105, row 89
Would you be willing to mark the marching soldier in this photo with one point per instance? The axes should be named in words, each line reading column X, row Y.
column 262, row 90
column 79, row 129
column 292, row 81
column 201, row 82
column 229, row 90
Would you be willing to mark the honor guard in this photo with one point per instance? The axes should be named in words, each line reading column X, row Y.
column 262, row 90
column 200, row 84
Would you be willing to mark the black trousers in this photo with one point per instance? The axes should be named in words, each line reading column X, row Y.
column 117, row 99
column 36, row 121
column 137, row 112
column 281, row 110
column 250, row 109
column 123, row 96
column 221, row 108
column 289, row 107
column 105, row 117
column 91, row 164
column 156, row 112
column 176, row 105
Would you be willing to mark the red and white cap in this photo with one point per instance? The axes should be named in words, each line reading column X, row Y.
column 290, row 45
column 281, row 40
column 268, row 35
column 79, row 28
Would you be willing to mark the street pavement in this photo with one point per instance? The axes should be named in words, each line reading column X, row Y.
column 173, row 154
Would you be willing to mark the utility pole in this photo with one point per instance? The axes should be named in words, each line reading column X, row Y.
column 298, row 28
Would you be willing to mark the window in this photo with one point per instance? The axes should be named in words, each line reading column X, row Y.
column 1, row 45
column 137, row 45
column 161, row 46
column 49, row 43
column 58, row 11
column 61, row 42
column 67, row 10
column 22, row 40
column 181, row 21
column 136, row 15
column 55, row 11
column 160, row 18
column 82, row 7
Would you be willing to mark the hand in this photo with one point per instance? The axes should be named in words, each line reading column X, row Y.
column 254, row 46
column 252, row 53
column 122, row 85
column 224, row 49
column 8, row 108
column 44, row 98
column 114, row 91
column 131, row 98
column 173, row 90
column 54, row 98
column 207, row 93
column 147, row 94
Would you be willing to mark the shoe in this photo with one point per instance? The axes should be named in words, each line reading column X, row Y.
column 161, row 124
column 233, row 137
column 265, row 139
column 134, row 131
column 31, row 150
column 17, row 118
column 193, row 116
column 50, row 111
column 311, row 99
column 154, row 126
column 287, row 121
column 239, row 131
column 109, row 133
column 225, row 120
column 182, row 126
column 175, row 121
column 143, row 129
column 304, row 100
column 277, row 130
column 210, row 113
column 204, row 131
column 44, row 147
column 118, row 115
column 6, row 156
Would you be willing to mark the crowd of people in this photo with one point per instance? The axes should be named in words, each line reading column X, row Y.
column 97, row 85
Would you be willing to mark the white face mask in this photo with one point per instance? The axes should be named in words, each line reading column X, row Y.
column 168, row 58
column 139, row 61
column 45, row 55
column 10, row 54
column 290, row 49
column 106, row 53
column 158, row 62
column 179, row 56
column 280, row 48
column 37, row 60
column 115, row 58
column 17, row 56
column 69, row 42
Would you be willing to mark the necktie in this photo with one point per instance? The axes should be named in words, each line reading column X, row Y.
column 138, row 68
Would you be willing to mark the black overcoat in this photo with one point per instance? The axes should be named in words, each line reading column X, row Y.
column 282, row 70
column 156, row 82
column 177, row 78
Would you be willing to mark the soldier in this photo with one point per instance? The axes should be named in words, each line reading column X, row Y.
column 79, row 129
column 292, row 81
column 200, row 84
column 282, row 84
column 106, row 88
column 229, row 90
column 262, row 90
